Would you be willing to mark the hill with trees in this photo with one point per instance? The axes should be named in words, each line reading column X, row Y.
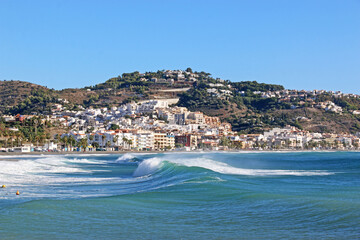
column 250, row 107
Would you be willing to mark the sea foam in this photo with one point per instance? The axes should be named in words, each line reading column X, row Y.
column 44, row 171
column 224, row 168
column 126, row 157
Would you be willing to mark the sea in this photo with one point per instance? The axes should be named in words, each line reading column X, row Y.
column 202, row 195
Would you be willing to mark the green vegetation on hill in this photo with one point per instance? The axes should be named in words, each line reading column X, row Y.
column 39, row 101
column 36, row 130
column 127, row 80
column 13, row 92
column 255, row 86
column 198, row 99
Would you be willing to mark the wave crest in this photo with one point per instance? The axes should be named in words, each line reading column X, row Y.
column 125, row 158
column 149, row 166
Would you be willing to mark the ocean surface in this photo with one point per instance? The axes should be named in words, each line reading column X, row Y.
column 291, row 195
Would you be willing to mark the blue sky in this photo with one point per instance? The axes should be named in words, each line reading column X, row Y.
column 299, row 44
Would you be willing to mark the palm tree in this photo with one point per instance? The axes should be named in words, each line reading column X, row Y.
column 37, row 139
column 31, row 138
column 287, row 143
column 64, row 139
column 17, row 135
column 11, row 134
column 84, row 143
column 58, row 138
column 72, row 141
column 108, row 144
column 115, row 139
column 42, row 138
column 22, row 138
column 103, row 137
column 95, row 145
column 125, row 141
column 323, row 144
column 48, row 137
column 5, row 134
column 9, row 142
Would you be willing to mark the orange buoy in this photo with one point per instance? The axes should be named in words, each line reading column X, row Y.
column 17, row 192
column 3, row 186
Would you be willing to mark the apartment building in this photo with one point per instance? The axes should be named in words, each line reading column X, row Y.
column 164, row 141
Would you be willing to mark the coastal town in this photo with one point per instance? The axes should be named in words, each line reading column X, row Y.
column 154, row 125
column 179, row 119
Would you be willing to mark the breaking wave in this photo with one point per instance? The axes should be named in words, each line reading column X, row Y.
column 148, row 167
column 62, row 176
column 151, row 165
column 125, row 158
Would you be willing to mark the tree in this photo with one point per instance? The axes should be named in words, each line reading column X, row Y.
column 103, row 137
column 125, row 142
column 224, row 141
column 11, row 135
column 287, row 143
column 91, row 137
column 42, row 137
column 84, row 143
column 115, row 139
column 95, row 145
column 58, row 138
column 114, row 127
column 108, row 144
column 48, row 137
column 179, row 145
column 19, row 137
column 37, row 139
column 65, row 140
column 128, row 142
column 72, row 142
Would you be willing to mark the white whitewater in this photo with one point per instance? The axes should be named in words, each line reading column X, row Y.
column 148, row 167
column 44, row 171
column 126, row 157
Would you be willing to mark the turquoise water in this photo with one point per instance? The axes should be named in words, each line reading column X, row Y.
column 299, row 195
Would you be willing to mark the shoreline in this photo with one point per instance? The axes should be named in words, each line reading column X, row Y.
column 157, row 152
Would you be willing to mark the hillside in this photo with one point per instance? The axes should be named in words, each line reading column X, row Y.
column 13, row 93
column 250, row 107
